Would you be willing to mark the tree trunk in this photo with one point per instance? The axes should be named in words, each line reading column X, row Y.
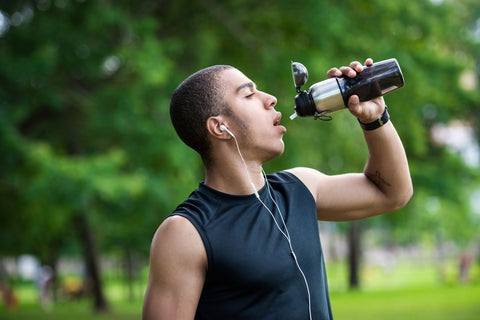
column 129, row 271
column 91, row 263
column 441, row 253
column 354, row 254
column 53, row 263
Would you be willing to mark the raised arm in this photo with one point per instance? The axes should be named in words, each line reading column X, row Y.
column 178, row 263
column 384, row 186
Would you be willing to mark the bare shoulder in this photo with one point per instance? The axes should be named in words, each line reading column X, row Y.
column 178, row 263
column 305, row 173
column 177, row 238
column 310, row 177
column 175, row 227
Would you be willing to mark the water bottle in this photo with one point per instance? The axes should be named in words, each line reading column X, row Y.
column 331, row 95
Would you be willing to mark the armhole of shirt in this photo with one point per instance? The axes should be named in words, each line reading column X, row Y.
column 294, row 179
column 202, row 233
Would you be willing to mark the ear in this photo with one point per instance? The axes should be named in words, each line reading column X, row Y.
column 213, row 127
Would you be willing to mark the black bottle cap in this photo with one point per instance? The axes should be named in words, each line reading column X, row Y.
column 304, row 104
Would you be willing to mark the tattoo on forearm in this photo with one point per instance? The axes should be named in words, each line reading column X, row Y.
column 377, row 179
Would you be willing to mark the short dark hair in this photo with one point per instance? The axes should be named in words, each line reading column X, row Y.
column 197, row 98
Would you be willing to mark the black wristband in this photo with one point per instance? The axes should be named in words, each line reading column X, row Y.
column 377, row 123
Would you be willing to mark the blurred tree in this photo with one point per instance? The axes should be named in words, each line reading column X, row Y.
column 86, row 143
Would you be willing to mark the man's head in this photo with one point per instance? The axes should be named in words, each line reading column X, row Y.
column 197, row 98
column 223, row 95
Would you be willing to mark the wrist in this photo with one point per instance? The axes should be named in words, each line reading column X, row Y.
column 384, row 118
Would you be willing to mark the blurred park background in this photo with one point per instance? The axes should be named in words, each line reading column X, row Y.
column 90, row 164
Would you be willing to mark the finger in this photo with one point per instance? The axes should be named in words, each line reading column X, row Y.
column 357, row 66
column 369, row 62
column 353, row 101
column 334, row 72
column 354, row 105
column 347, row 71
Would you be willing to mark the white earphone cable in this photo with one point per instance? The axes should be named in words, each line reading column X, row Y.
column 244, row 163
column 289, row 243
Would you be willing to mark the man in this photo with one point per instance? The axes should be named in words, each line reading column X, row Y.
column 245, row 245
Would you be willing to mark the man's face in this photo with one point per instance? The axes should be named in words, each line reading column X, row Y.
column 255, row 122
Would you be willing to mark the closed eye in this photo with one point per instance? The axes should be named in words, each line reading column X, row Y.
column 250, row 95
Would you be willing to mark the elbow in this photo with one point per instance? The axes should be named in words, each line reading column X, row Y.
column 402, row 199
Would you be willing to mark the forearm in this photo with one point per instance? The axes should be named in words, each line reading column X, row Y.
column 387, row 167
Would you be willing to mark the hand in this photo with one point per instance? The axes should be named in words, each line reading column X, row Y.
column 366, row 111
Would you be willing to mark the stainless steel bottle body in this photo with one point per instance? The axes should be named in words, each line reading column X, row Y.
column 327, row 96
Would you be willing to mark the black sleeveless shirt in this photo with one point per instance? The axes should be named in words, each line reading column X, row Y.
column 251, row 273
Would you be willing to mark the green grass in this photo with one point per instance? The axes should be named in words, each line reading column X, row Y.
column 80, row 310
column 407, row 291
column 439, row 303
column 435, row 302
column 120, row 307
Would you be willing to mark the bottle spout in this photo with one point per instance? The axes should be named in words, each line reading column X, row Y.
column 293, row 116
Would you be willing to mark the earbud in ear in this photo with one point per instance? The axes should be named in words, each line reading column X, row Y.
column 225, row 129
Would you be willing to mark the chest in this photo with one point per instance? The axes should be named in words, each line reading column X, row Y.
column 249, row 248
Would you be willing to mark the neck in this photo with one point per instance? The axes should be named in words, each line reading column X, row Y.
column 233, row 176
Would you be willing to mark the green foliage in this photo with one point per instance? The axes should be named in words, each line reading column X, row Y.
column 85, row 128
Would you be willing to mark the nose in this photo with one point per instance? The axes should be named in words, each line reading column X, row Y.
column 270, row 101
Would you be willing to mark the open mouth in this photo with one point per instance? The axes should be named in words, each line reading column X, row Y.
column 277, row 119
